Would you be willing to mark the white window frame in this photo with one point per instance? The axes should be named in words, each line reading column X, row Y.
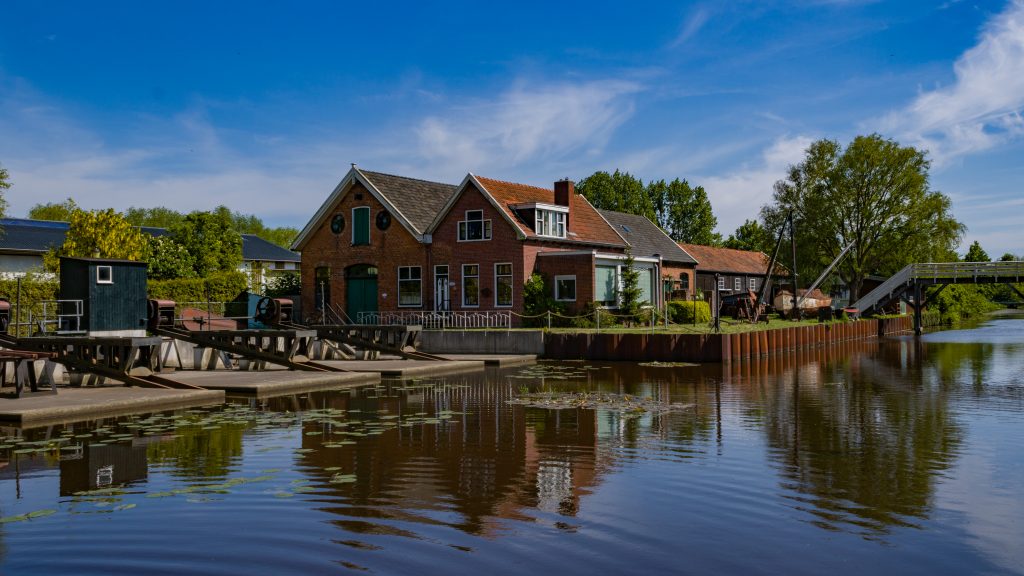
column 512, row 284
column 752, row 283
column 369, row 226
column 575, row 288
column 463, row 282
column 737, row 284
column 549, row 223
column 419, row 303
column 110, row 275
column 463, row 227
column 721, row 282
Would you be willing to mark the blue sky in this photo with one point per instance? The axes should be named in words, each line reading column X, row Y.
column 263, row 106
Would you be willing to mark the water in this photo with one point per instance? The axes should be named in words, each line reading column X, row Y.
column 900, row 457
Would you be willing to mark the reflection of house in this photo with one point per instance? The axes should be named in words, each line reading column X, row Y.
column 738, row 270
column 383, row 243
column 23, row 243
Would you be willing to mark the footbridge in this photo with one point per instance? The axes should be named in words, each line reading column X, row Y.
column 909, row 283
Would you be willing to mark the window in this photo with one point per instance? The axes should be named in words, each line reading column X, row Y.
column 104, row 275
column 753, row 283
column 684, row 281
column 606, row 285
column 721, row 283
column 565, row 288
column 410, row 286
column 737, row 284
column 361, row 226
column 474, row 227
column 550, row 223
column 470, row 285
column 503, row 285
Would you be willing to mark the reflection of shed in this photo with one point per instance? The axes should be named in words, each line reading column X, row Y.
column 112, row 296
column 103, row 466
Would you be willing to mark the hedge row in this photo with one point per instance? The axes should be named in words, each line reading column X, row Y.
column 34, row 290
column 218, row 287
column 688, row 312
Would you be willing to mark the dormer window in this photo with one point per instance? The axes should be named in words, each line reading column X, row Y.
column 474, row 227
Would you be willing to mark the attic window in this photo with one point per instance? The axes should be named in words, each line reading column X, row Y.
column 550, row 223
column 474, row 227
column 104, row 275
column 626, row 228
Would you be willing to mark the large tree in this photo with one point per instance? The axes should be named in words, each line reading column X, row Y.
column 158, row 217
column 684, row 212
column 976, row 253
column 57, row 212
column 100, row 234
column 619, row 191
column 873, row 193
column 211, row 241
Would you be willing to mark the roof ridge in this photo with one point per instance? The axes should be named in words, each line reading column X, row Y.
column 514, row 183
column 365, row 171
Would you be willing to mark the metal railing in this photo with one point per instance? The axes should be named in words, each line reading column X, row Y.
column 1011, row 271
column 64, row 315
column 439, row 320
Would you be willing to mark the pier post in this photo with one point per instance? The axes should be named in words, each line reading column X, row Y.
column 917, row 309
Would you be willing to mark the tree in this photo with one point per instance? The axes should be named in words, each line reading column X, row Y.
column 5, row 184
column 168, row 260
column 874, row 193
column 158, row 217
column 630, row 293
column 100, row 234
column 1008, row 258
column 619, row 191
column 684, row 212
column 210, row 240
column 976, row 253
column 53, row 211
column 751, row 236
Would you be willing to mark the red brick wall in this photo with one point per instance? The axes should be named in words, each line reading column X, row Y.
column 675, row 271
column 579, row 265
column 387, row 250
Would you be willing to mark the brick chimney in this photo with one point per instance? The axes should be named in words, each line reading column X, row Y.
column 564, row 189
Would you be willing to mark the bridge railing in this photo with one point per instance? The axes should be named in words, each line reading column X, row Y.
column 956, row 270
column 439, row 320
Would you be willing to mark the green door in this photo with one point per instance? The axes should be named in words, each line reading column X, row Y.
column 361, row 292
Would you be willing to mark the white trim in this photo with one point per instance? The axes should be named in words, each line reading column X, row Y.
column 485, row 223
column 575, row 287
column 109, row 269
column 462, row 283
column 470, row 178
column 541, row 206
column 398, row 286
column 511, row 275
column 369, row 235
column 737, row 284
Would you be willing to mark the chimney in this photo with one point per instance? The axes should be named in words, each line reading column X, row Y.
column 564, row 189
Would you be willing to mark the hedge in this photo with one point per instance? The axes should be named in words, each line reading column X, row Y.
column 34, row 290
column 683, row 312
column 218, row 287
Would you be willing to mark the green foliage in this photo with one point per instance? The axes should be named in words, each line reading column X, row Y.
column 34, row 290
column 167, row 259
column 684, row 212
column 53, row 211
column 210, row 240
column 620, row 192
column 689, row 312
column 249, row 224
column 99, row 234
column 158, row 217
column 976, row 253
column 217, row 287
column 630, row 293
column 874, row 193
column 960, row 302
column 287, row 284
column 5, row 183
column 751, row 235
column 538, row 300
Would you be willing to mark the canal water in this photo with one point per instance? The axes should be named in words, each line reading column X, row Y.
column 904, row 456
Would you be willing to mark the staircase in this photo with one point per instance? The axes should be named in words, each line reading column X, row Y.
column 883, row 294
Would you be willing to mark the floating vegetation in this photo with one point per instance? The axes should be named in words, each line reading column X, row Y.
column 551, row 372
column 656, row 364
column 627, row 404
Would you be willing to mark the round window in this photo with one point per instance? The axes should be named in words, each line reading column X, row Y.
column 337, row 223
column 383, row 220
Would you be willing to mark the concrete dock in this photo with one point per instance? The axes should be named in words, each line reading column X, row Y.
column 399, row 368
column 273, row 382
column 498, row 360
column 75, row 404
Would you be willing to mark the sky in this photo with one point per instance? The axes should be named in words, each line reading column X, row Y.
column 263, row 106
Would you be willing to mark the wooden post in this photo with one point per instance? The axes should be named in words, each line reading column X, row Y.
column 918, row 329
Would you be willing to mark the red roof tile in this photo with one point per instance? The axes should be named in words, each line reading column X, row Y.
column 729, row 260
column 584, row 220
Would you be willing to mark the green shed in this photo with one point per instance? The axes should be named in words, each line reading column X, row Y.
column 112, row 294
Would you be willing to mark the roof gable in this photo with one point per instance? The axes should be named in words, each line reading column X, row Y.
column 645, row 237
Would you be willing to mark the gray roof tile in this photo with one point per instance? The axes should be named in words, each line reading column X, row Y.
column 418, row 200
column 645, row 237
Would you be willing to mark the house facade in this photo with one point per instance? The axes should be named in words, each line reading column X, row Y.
column 388, row 244
column 729, row 271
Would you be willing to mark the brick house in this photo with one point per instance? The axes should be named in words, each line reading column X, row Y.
column 384, row 243
column 739, row 271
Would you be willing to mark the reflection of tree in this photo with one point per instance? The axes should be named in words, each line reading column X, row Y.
column 861, row 439
column 197, row 451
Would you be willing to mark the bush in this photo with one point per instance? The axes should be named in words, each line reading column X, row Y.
column 288, row 284
column 34, row 290
column 538, row 302
column 960, row 302
column 688, row 312
column 218, row 287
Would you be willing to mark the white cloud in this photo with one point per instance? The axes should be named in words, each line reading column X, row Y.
column 739, row 195
column 697, row 19
column 982, row 108
column 529, row 123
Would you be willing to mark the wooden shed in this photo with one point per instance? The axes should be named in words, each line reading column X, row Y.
column 112, row 295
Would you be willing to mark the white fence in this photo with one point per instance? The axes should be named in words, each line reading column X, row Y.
column 439, row 320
